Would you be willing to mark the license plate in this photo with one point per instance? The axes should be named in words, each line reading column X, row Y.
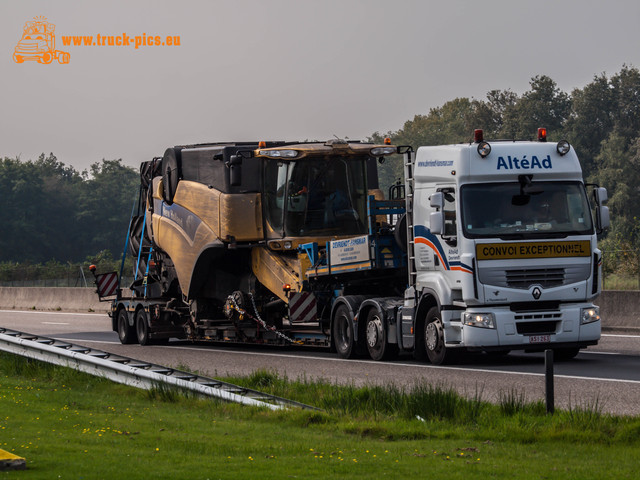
column 540, row 339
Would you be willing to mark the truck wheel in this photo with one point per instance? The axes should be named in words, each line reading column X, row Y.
column 379, row 348
column 142, row 328
column 126, row 332
column 434, row 338
column 343, row 337
column 18, row 58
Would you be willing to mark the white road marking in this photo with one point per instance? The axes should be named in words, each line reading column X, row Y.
column 52, row 313
column 619, row 336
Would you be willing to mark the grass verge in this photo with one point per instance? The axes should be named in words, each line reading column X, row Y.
column 70, row 425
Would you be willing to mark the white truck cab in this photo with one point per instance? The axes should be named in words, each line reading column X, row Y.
column 503, row 241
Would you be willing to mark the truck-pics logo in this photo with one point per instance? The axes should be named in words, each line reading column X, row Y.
column 38, row 43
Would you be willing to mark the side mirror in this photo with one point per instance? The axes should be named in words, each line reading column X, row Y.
column 436, row 222
column 436, row 200
column 601, row 195
column 603, row 218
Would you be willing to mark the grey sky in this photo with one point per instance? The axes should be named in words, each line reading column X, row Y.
column 286, row 69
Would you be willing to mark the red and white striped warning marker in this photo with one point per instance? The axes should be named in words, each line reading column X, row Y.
column 107, row 284
column 303, row 307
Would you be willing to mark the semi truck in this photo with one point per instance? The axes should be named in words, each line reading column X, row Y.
column 484, row 247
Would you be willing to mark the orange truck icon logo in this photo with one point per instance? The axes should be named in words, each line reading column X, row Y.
column 38, row 42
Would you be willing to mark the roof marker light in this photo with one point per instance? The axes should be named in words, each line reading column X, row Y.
column 387, row 141
column 262, row 144
column 542, row 134
column 563, row 147
column 478, row 135
column 484, row 149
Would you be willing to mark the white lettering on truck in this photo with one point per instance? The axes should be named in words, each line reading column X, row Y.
column 515, row 163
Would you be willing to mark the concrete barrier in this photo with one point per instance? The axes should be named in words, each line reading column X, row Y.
column 67, row 299
column 618, row 309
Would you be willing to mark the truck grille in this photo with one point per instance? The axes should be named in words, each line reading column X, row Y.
column 545, row 277
column 524, row 278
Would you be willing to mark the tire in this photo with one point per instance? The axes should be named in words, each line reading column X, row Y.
column 170, row 174
column 343, row 335
column 376, row 337
column 18, row 58
column 142, row 328
column 126, row 332
column 565, row 354
column 433, row 337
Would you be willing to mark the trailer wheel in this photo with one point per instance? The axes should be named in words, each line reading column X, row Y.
column 126, row 332
column 434, row 338
column 343, row 336
column 377, row 342
column 142, row 328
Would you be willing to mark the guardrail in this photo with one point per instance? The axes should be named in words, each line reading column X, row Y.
column 132, row 372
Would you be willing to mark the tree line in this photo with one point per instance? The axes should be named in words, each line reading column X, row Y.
column 50, row 211
column 601, row 121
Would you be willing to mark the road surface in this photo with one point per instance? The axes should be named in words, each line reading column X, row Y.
column 607, row 375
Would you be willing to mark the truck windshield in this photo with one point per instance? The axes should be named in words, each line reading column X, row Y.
column 509, row 210
column 316, row 196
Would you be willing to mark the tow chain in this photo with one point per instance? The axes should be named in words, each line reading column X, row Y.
column 257, row 319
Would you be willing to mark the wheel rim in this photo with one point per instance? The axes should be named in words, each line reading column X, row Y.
column 432, row 337
column 374, row 332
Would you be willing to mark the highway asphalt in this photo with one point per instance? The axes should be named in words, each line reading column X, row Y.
column 606, row 375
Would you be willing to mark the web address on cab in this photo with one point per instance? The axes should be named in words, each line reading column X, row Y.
column 123, row 40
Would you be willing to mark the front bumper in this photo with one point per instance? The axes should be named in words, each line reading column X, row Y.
column 532, row 331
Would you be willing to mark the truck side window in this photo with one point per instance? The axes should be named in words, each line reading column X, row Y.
column 450, row 224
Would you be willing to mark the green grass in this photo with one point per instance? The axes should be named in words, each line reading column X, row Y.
column 71, row 425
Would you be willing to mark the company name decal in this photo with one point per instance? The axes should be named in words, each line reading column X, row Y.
column 501, row 251
column 435, row 163
column 515, row 163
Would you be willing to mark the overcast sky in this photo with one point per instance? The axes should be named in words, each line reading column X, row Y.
column 285, row 69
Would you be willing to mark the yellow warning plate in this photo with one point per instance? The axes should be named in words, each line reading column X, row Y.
column 505, row 251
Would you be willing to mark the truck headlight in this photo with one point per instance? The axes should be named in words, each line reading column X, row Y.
column 482, row 320
column 589, row 315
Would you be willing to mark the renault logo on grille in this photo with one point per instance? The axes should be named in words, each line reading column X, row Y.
column 536, row 293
